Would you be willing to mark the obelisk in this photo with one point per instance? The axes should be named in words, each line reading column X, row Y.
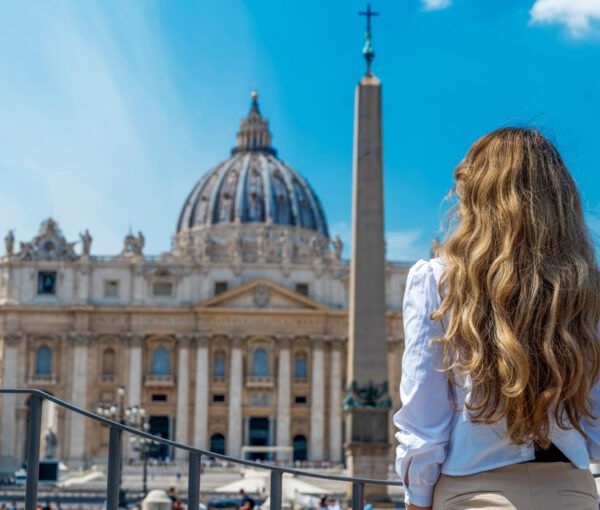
column 367, row 402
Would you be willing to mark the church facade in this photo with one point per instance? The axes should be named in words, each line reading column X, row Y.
column 236, row 337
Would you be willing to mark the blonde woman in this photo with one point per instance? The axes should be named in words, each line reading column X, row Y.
column 500, row 406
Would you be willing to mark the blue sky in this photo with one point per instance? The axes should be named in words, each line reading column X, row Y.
column 110, row 111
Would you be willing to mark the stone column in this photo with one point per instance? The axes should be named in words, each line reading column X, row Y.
column 202, row 385
column 183, row 388
column 134, row 376
column 234, row 427
column 282, row 437
column 77, row 443
column 9, row 458
column 317, row 402
column 335, row 403
column 134, row 381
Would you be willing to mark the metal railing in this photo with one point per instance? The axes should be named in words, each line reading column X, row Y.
column 194, row 461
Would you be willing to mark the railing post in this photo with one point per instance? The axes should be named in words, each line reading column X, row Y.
column 114, row 468
column 358, row 496
column 33, row 452
column 276, row 493
column 194, row 481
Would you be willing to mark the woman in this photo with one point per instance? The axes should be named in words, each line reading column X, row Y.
column 502, row 352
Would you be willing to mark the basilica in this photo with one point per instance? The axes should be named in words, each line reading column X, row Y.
column 234, row 340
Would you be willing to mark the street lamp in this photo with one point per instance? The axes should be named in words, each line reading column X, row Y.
column 138, row 418
column 117, row 411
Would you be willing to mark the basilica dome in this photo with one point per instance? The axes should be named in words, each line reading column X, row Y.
column 253, row 186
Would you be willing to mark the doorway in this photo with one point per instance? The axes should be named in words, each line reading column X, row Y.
column 259, row 436
column 160, row 426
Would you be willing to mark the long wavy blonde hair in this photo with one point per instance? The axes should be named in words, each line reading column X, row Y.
column 521, row 289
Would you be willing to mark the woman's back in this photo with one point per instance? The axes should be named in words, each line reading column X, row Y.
column 501, row 331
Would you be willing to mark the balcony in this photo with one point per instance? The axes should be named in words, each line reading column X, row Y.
column 43, row 379
column 260, row 381
column 159, row 381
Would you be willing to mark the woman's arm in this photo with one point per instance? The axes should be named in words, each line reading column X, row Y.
column 426, row 414
column 592, row 427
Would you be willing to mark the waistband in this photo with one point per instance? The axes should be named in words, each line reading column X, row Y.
column 550, row 454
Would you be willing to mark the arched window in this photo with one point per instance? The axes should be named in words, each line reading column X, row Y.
column 300, row 448
column 260, row 363
column 300, row 366
column 43, row 361
column 219, row 365
column 217, row 443
column 160, row 362
column 108, row 363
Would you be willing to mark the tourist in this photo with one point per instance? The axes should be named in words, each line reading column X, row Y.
column 48, row 506
column 247, row 502
column 502, row 351
column 174, row 497
column 13, row 506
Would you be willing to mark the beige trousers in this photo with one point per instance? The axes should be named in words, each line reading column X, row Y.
column 526, row 486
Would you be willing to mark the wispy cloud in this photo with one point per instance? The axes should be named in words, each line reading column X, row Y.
column 435, row 5
column 407, row 245
column 580, row 17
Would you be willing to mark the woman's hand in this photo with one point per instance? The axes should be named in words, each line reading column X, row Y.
column 416, row 507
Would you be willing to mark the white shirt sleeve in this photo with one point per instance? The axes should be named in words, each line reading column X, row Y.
column 425, row 416
column 592, row 427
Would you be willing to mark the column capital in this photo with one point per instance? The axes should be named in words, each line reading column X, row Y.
column 337, row 344
column 237, row 341
column 81, row 338
column 318, row 341
column 13, row 338
column 184, row 339
column 284, row 341
column 134, row 339
column 202, row 340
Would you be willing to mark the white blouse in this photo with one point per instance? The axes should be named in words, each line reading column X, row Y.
column 435, row 434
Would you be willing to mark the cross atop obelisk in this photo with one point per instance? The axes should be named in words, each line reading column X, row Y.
column 367, row 401
column 368, row 51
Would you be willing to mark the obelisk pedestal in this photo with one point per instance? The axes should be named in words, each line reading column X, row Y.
column 367, row 400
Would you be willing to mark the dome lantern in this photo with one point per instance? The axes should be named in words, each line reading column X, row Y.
column 254, row 134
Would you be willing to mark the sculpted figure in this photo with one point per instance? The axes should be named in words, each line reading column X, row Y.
column 9, row 240
column 86, row 242
column 315, row 246
column 51, row 444
column 338, row 247
column 140, row 242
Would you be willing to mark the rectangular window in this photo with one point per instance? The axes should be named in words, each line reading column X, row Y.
column 46, row 282
column 302, row 288
column 159, row 397
column 111, row 288
column 300, row 399
column 218, row 398
column 162, row 289
column 220, row 287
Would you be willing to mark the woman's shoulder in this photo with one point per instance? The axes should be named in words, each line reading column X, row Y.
column 427, row 270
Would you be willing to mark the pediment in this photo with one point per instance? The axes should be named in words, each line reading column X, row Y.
column 262, row 294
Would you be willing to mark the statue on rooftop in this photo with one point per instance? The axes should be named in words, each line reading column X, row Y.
column 338, row 247
column 140, row 242
column 86, row 242
column 9, row 240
